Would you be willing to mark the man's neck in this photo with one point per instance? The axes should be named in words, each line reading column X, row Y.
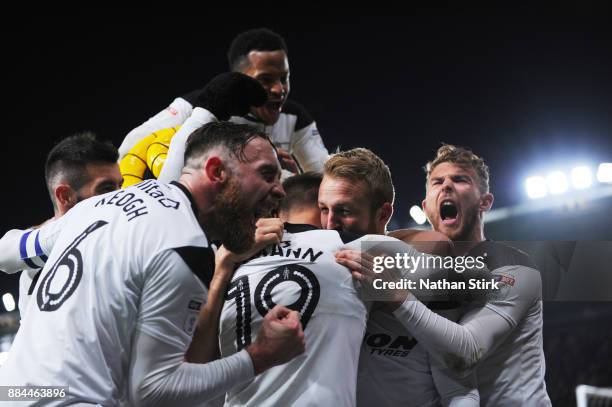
column 465, row 244
column 304, row 217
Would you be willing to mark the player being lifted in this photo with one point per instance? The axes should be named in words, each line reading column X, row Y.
column 254, row 92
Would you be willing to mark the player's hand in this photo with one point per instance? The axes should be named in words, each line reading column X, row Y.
column 279, row 340
column 361, row 266
column 231, row 94
column 286, row 160
column 268, row 231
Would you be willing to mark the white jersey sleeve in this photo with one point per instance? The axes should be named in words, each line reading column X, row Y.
column 176, row 154
column 10, row 253
column 174, row 115
column 462, row 345
column 454, row 391
column 28, row 249
column 308, row 148
column 159, row 374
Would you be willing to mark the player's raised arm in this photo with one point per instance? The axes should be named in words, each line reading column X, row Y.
column 205, row 344
column 174, row 115
column 462, row 345
column 159, row 374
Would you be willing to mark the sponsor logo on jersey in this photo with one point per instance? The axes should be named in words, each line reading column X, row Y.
column 193, row 310
column 172, row 111
column 389, row 345
column 195, row 305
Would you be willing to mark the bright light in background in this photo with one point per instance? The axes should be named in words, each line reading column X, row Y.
column 3, row 356
column 418, row 215
column 536, row 187
column 556, row 182
column 581, row 177
column 604, row 173
column 9, row 302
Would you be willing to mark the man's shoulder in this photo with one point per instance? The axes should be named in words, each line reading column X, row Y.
column 497, row 255
column 312, row 232
column 156, row 214
column 293, row 108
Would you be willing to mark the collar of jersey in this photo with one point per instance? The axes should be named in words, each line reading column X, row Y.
column 188, row 194
column 299, row 227
column 251, row 117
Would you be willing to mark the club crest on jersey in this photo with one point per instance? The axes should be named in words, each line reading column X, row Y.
column 503, row 279
column 505, row 283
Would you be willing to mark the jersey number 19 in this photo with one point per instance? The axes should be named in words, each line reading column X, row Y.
column 240, row 291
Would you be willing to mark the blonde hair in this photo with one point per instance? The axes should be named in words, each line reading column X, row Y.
column 361, row 164
column 464, row 158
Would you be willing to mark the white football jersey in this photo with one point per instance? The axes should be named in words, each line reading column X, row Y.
column 512, row 373
column 118, row 267
column 301, row 273
column 396, row 370
column 499, row 334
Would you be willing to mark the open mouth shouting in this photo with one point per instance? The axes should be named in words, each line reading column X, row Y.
column 449, row 213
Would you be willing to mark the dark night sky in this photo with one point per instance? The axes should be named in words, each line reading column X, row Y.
column 524, row 92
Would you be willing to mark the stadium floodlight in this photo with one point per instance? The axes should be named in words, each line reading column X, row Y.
column 536, row 187
column 604, row 172
column 418, row 215
column 556, row 182
column 9, row 302
column 581, row 177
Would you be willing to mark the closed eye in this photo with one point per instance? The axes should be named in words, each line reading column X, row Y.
column 461, row 178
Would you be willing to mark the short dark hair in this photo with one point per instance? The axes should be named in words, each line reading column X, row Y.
column 71, row 155
column 233, row 137
column 301, row 191
column 257, row 39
